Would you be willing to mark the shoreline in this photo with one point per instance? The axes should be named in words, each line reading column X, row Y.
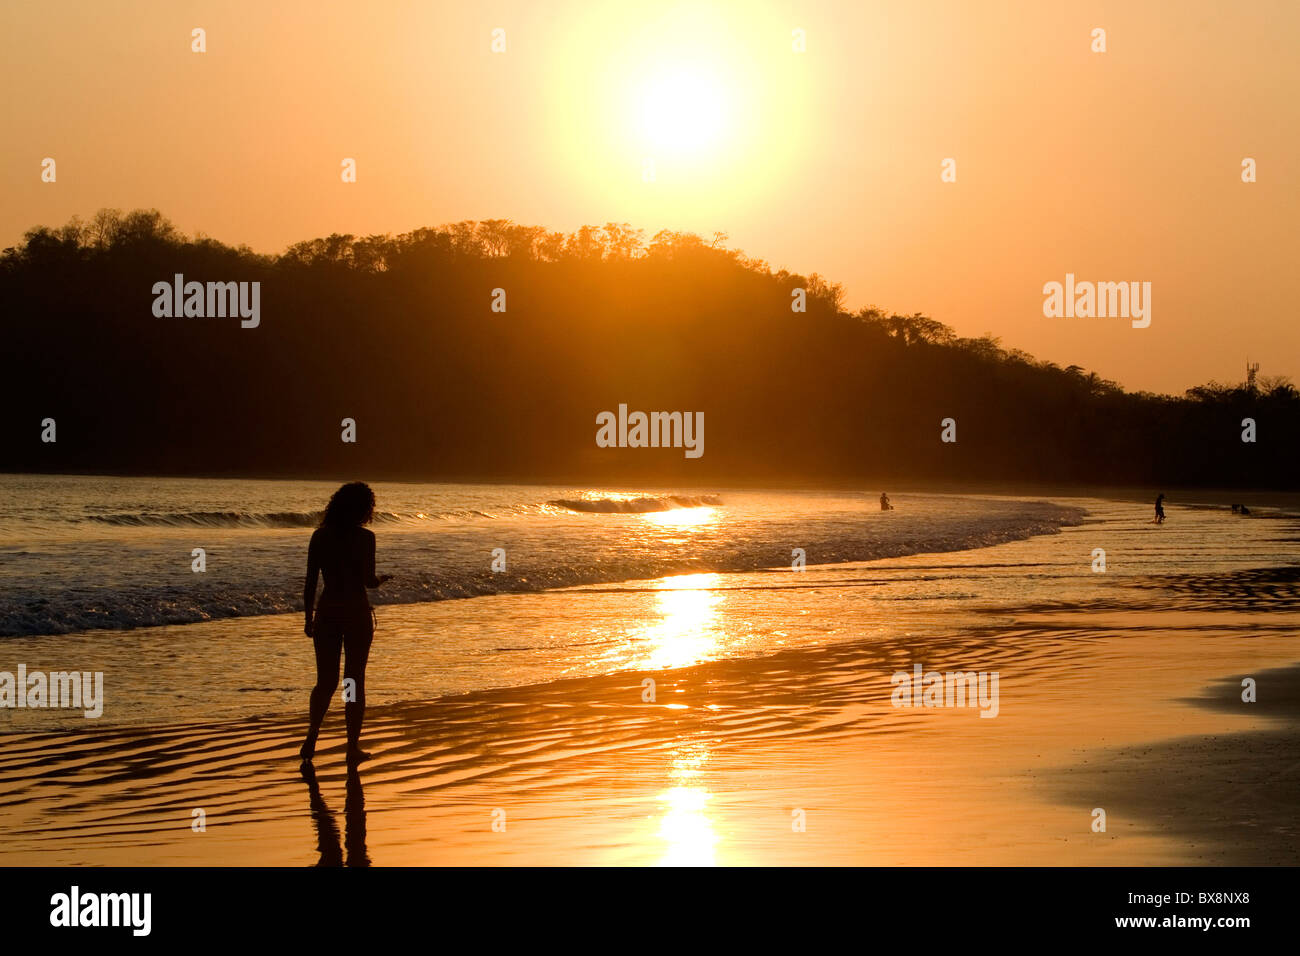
column 255, row 572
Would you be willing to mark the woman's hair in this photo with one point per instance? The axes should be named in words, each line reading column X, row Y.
column 351, row 506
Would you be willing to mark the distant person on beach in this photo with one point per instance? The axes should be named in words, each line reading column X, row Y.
column 343, row 550
column 884, row 502
column 1160, row 508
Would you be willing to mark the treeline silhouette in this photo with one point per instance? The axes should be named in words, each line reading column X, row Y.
column 398, row 333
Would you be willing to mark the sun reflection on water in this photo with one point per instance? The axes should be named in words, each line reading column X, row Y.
column 685, row 825
column 683, row 517
column 686, row 631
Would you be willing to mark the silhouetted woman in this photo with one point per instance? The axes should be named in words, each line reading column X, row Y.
column 343, row 550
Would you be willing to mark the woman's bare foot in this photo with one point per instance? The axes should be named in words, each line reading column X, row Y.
column 356, row 755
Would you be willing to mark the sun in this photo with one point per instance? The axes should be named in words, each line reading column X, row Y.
column 682, row 110
column 680, row 114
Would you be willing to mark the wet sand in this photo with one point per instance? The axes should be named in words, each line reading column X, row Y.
column 1227, row 798
column 714, row 771
column 1127, row 700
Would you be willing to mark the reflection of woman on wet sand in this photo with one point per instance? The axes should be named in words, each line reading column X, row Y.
column 327, row 828
column 342, row 550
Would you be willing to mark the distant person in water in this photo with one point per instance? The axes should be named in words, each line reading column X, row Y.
column 1160, row 508
column 884, row 502
column 343, row 550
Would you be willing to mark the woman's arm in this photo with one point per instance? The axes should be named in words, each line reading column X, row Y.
column 309, row 587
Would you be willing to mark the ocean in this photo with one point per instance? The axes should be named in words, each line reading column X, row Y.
column 96, row 574
column 80, row 553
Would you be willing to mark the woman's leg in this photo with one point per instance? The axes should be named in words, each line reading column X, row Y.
column 356, row 644
column 329, row 644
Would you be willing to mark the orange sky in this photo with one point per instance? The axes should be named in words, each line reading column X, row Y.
column 1123, row 165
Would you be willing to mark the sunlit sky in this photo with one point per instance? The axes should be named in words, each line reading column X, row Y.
column 1115, row 166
